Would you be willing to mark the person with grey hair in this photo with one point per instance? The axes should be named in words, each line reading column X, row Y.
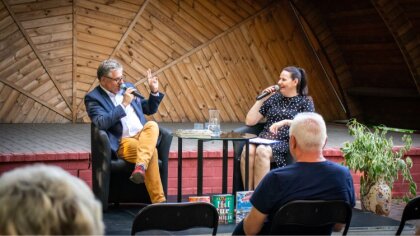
column 116, row 107
column 311, row 177
column 47, row 200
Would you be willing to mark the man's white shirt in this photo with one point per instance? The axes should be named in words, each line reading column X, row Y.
column 131, row 122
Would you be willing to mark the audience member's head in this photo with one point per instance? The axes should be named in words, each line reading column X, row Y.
column 47, row 200
column 309, row 131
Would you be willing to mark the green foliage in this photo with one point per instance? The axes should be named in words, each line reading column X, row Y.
column 371, row 153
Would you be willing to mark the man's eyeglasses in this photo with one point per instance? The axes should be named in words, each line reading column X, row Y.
column 117, row 79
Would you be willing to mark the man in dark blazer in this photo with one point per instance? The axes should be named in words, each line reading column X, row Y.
column 117, row 108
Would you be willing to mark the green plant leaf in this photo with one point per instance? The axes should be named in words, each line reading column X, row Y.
column 370, row 152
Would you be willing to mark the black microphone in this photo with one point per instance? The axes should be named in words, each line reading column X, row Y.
column 265, row 94
column 135, row 92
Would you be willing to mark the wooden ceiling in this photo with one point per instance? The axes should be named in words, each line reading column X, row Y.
column 373, row 48
column 362, row 57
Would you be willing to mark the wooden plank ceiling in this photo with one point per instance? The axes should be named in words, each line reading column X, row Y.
column 373, row 48
column 209, row 54
column 36, row 62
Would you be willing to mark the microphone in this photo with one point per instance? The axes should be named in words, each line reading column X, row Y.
column 135, row 92
column 265, row 94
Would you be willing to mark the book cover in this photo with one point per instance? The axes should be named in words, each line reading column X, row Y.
column 243, row 205
column 224, row 205
column 199, row 199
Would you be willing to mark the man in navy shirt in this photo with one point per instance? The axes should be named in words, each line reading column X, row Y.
column 312, row 177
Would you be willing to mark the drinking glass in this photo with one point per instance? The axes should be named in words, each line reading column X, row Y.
column 214, row 122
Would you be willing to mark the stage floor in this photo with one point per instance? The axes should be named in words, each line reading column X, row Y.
column 39, row 138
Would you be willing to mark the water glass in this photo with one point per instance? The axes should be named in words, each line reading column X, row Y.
column 215, row 129
column 213, row 116
column 214, row 122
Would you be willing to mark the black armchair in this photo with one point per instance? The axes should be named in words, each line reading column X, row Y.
column 237, row 150
column 110, row 174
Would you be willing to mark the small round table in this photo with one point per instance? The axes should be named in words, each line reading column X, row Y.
column 225, row 137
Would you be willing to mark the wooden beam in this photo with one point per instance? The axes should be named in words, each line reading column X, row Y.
column 121, row 42
column 383, row 92
column 404, row 34
column 26, row 93
column 28, row 39
column 205, row 44
column 338, row 94
column 74, row 77
column 130, row 27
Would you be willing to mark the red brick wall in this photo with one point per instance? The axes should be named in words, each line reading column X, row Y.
column 78, row 164
column 212, row 173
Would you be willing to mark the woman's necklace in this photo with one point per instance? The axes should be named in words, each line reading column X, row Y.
column 285, row 107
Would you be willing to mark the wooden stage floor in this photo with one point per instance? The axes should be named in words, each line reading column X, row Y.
column 38, row 138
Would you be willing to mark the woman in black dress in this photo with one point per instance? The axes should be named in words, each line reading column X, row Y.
column 278, row 110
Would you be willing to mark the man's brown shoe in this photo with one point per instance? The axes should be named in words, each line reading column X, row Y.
column 137, row 176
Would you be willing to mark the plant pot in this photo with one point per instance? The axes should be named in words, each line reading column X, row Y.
column 377, row 198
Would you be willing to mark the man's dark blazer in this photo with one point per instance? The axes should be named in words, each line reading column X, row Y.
column 107, row 117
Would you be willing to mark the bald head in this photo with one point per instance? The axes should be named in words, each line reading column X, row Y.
column 309, row 131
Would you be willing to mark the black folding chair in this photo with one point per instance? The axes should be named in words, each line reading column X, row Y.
column 176, row 217
column 411, row 212
column 311, row 217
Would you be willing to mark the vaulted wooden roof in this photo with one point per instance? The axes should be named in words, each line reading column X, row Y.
column 362, row 57
column 373, row 47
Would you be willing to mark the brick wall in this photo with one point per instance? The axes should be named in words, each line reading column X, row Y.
column 78, row 164
column 212, row 172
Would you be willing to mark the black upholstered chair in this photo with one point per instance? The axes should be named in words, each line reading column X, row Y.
column 311, row 217
column 110, row 174
column 411, row 212
column 166, row 217
column 237, row 150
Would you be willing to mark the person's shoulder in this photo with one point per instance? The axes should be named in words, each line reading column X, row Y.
column 337, row 166
column 306, row 98
column 284, row 170
column 274, row 97
column 277, row 175
column 94, row 92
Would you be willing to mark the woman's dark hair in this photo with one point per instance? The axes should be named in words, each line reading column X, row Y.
column 299, row 74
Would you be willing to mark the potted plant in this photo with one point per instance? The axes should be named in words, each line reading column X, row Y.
column 372, row 155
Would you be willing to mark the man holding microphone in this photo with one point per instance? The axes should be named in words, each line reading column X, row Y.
column 119, row 109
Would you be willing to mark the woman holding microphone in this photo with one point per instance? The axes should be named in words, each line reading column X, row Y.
column 278, row 109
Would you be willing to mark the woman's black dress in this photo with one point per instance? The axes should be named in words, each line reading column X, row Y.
column 277, row 108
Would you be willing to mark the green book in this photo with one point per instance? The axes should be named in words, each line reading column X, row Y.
column 224, row 204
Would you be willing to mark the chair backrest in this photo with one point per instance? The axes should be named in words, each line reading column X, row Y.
column 311, row 217
column 176, row 217
column 411, row 212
